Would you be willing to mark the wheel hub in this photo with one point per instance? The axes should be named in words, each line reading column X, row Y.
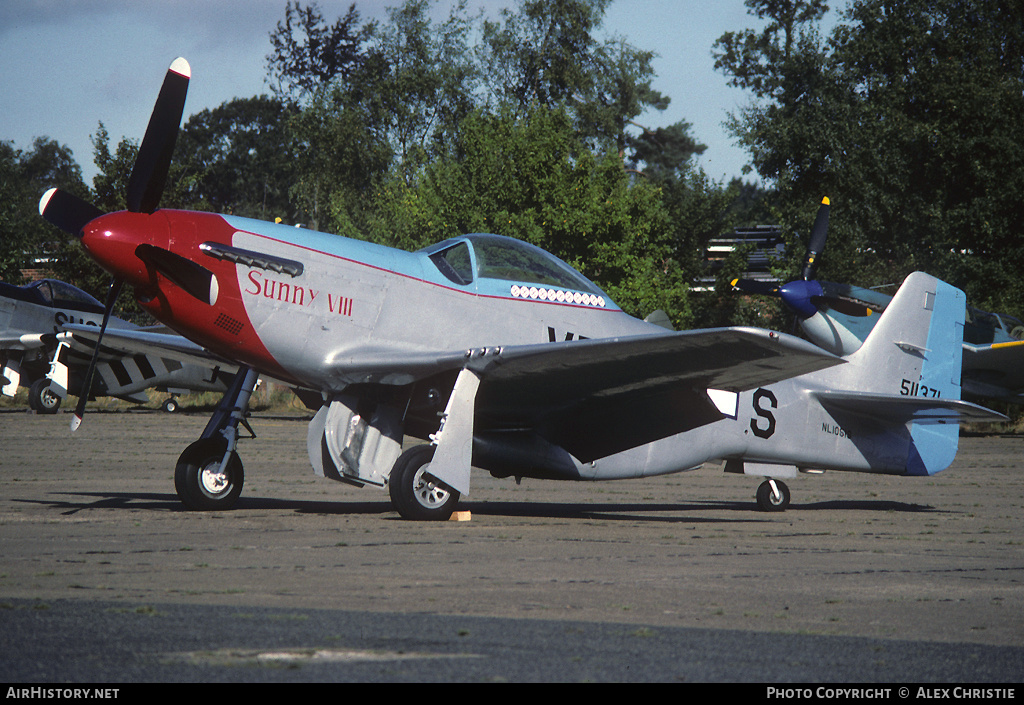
column 213, row 480
column 429, row 492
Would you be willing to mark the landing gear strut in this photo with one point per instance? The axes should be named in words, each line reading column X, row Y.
column 209, row 473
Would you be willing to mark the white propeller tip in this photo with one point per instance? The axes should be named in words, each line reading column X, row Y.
column 45, row 200
column 181, row 67
column 76, row 421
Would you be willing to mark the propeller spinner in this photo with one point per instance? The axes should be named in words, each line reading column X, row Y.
column 806, row 296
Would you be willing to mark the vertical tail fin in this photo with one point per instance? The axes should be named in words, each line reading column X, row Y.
column 915, row 350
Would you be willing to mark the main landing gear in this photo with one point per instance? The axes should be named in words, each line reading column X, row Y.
column 773, row 496
column 415, row 493
column 426, row 482
column 209, row 472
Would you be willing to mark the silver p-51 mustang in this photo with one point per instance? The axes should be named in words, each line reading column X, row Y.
column 503, row 358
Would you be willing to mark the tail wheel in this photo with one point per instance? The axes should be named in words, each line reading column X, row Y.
column 773, row 499
column 199, row 480
column 415, row 493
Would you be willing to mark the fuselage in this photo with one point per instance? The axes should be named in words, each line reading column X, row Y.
column 297, row 304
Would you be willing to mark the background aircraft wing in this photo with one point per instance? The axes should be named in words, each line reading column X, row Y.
column 16, row 340
column 994, row 371
column 118, row 342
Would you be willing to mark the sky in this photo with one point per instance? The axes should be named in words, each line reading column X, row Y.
column 70, row 64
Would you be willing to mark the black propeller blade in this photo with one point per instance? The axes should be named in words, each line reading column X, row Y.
column 68, row 212
column 83, row 395
column 819, row 233
column 149, row 175
column 145, row 188
column 756, row 286
column 198, row 281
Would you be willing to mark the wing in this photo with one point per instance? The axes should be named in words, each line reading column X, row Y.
column 599, row 397
column 602, row 396
column 994, row 371
column 25, row 341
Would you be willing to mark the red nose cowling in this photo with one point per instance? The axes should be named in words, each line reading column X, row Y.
column 113, row 238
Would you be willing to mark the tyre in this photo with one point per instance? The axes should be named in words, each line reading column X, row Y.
column 41, row 399
column 767, row 499
column 200, row 483
column 170, row 405
column 415, row 493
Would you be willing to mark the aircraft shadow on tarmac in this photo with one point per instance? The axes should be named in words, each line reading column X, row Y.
column 684, row 512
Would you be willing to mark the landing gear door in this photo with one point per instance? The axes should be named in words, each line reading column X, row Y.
column 353, row 444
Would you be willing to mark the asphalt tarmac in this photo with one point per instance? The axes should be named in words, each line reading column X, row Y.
column 105, row 578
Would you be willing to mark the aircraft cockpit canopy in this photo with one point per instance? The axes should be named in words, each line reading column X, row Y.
column 485, row 256
column 57, row 293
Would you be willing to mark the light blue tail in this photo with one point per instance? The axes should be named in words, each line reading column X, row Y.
column 913, row 356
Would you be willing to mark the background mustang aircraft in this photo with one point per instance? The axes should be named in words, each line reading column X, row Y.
column 503, row 357
column 838, row 318
column 34, row 342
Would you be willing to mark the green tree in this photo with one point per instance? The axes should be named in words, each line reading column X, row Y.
column 908, row 118
column 242, row 157
column 535, row 179
column 420, row 83
column 389, row 105
column 308, row 54
column 24, row 177
column 340, row 160
column 548, row 53
column 939, row 90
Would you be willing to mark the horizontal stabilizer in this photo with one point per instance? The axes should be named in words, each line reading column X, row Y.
column 903, row 409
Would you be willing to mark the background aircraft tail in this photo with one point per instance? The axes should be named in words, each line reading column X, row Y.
column 908, row 371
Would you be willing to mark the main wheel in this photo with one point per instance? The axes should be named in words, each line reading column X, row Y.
column 199, row 481
column 41, row 399
column 768, row 501
column 417, row 494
